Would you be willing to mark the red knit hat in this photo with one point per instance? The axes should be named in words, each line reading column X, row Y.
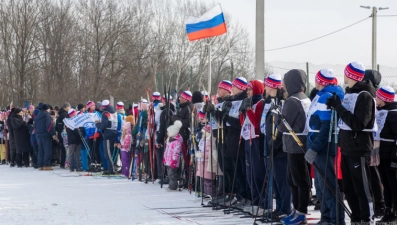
column 257, row 87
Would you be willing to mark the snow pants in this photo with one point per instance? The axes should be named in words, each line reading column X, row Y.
column 74, row 156
column 125, row 163
column 298, row 179
column 209, row 187
column 45, row 151
column 173, row 175
column 62, row 151
column 159, row 161
column 22, row 159
column 357, row 187
column 95, row 154
column 108, row 148
column 280, row 186
column 389, row 181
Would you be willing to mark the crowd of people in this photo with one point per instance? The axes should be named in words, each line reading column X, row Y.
column 257, row 141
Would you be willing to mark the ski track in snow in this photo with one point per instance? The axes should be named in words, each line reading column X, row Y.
column 29, row 196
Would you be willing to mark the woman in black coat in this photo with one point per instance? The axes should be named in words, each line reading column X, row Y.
column 22, row 138
column 11, row 139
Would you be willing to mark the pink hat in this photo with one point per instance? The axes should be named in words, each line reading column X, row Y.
column 89, row 104
column 226, row 85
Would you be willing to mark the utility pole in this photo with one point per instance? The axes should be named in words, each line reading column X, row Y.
column 374, row 32
column 260, row 40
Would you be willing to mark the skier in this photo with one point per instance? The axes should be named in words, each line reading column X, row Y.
column 294, row 110
column 318, row 124
column 173, row 148
column 156, row 97
column 120, row 110
column 108, row 125
column 273, row 140
column 356, row 123
column 93, row 136
column 384, row 153
column 74, row 143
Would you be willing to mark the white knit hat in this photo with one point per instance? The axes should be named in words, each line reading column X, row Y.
column 105, row 103
column 173, row 130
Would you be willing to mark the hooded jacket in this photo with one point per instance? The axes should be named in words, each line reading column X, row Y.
column 319, row 121
column 62, row 114
column 10, row 131
column 356, row 142
column 162, row 132
column 184, row 115
column 44, row 125
column 387, row 149
column 105, row 124
column 21, row 134
column 234, row 130
column 294, row 110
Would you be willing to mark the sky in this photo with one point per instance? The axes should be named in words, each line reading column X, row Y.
column 289, row 22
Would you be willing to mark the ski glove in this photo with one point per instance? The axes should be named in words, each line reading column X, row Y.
column 208, row 108
column 333, row 101
column 310, row 156
column 247, row 103
column 226, row 107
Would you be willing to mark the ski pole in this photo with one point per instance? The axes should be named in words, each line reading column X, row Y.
column 329, row 185
column 336, row 167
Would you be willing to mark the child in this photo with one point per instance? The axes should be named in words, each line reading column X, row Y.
column 74, row 142
column 172, row 154
column 205, row 146
column 126, row 140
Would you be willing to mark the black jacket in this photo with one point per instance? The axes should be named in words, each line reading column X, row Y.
column 294, row 81
column 11, row 140
column 387, row 150
column 73, row 136
column 21, row 134
column 44, row 125
column 162, row 133
column 356, row 142
column 184, row 115
column 62, row 114
column 233, row 132
column 105, row 124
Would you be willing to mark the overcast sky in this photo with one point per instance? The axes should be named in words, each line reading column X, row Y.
column 290, row 21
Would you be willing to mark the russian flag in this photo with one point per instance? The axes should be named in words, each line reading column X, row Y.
column 211, row 24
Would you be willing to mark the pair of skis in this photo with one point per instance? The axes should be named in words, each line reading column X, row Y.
column 167, row 122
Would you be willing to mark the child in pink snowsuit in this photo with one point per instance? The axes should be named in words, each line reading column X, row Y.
column 126, row 139
column 172, row 154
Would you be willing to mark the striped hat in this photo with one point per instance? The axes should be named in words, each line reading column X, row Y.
column 144, row 101
column 187, row 95
column 156, row 96
column 165, row 97
column 385, row 93
column 72, row 112
column 240, row 83
column 205, row 94
column 201, row 115
column 120, row 105
column 355, row 71
column 325, row 77
column 226, row 85
column 273, row 81
column 105, row 103
column 89, row 104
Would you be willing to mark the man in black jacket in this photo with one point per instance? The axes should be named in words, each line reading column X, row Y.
column 62, row 114
column 45, row 132
column 356, row 123
column 184, row 115
column 74, row 143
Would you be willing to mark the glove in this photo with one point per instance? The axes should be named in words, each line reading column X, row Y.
column 375, row 160
column 226, row 107
column 333, row 101
column 173, row 164
column 208, row 108
column 310, row 156
column 247, row 103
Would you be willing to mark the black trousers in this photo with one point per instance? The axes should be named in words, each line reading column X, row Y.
column 389, row 181
column 377, row 188
column 22, row 159
column 95, row 154
column 298, row 178
column 357, row 187
column 159, row 161
column 62, row 151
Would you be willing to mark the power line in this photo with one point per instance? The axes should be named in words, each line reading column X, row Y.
column 386, row 15
column 301, row 43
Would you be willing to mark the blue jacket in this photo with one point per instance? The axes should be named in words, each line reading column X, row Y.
column 320, row 121
column 44, row 125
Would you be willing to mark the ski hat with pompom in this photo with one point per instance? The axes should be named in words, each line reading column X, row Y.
column 385, row 93
column 173, row 130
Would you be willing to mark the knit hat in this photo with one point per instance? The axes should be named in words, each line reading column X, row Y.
column 355, row 71
column 325, row 77
column 156, row 96
column 105, row 103
column 173, row 130
column 187, row 95
column 120, row 105
column 80, row 106
column 17, row 110
column 273, row 81
column 165, row 97
column 197, row 97
column 89, row 104
column 144, row 101
column 126, row 126
column 135, row 105
column 374, row 76
column 226, row 85
column 201, row 115
column 240, row 83
column 205, row 94
column 31, row 107
column 257, row 87
column 72, row 112
column 385, row 93
column 45, row 107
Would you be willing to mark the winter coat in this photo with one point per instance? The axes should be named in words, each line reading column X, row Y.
column 207, row 160
column 62, row 114
column 387, row 149
column 44, row 125
column 356, row 142
column 162, row 132
column 126, row 142
column 184, row 115
column 294, row 111
column 277, row 144
column 233, row 132
column 11, row 137
column 319, row 121
column 105, row 124
column 74, row 136
column 172, row 151
column 21, row 134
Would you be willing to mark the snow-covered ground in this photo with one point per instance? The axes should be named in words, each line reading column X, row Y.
column 58, row 197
